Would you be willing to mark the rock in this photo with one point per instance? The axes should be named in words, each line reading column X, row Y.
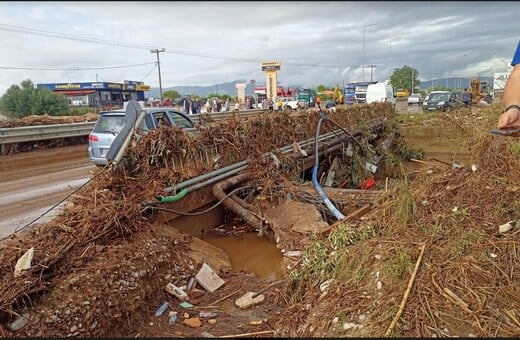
column 19, row 323
column 212, row 321
column 193, row 322
column 73, row 329
column 247, row 301
column 207, row 335
column 186, row 316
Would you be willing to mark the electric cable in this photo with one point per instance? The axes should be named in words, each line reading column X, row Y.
column 153, row 207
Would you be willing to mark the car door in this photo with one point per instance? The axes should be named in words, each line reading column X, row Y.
column 180, row 119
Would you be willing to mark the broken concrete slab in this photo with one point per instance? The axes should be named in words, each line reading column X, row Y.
column 24, row 262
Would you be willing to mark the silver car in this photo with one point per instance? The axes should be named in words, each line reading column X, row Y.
column 110, row 123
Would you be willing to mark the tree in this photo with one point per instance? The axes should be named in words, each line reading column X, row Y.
column 321, row 88
column 402, row 78
column 171, row 94
column 24, row 99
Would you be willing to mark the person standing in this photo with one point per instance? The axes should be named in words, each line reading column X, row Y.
column 270, row 104
column 510, row 117
column 465, row 97
column 226, row 105
column 279, row 104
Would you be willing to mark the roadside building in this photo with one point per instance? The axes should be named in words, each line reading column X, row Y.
column 99, row 94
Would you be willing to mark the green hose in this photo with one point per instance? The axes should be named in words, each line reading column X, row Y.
column 175, row 198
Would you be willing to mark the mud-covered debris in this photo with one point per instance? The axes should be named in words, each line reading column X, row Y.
column 193, row 322
column 247, row 301
column 176, row 291
column 24, row 262
column 162, row 309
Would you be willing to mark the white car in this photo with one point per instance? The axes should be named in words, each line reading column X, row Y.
column 414, row 98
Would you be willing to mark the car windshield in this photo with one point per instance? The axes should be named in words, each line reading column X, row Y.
column 437, row 97
column 109, row 124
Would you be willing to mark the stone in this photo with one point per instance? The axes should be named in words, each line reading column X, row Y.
column 212, row 321
column 193, row 322
column 504, row 228
column 19, row 323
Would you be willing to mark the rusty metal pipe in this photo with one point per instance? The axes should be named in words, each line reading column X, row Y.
column 219, row 192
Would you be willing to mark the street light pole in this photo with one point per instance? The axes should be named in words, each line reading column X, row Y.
column 156, row 51
column 363, row 70
column 390, row 53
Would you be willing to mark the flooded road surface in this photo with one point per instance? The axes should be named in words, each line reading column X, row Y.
column 33, row 182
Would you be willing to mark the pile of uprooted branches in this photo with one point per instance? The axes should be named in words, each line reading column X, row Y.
column 109, row 207
column 430, row 260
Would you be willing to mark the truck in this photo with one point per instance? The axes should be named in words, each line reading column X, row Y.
column 361, row 90
column 349, row 94
column 305, row 97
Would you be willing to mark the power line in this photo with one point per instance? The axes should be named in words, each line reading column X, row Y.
column 58, row 35
column 73, row 69
column 146, row 76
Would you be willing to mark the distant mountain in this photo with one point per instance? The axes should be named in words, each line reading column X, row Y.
column 203, row 91
column 453, row 83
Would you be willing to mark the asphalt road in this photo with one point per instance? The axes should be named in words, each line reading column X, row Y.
column 33, row 182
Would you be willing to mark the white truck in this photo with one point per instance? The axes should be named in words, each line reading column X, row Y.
column 290, row 103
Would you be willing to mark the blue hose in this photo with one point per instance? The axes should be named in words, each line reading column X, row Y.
column 315, row 183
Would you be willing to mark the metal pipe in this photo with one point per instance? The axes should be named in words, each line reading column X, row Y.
column 121, row 151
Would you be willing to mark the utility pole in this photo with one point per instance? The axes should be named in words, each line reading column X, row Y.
column 156, row 51
column 371, row 69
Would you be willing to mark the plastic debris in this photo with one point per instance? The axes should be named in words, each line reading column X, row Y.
column 186, row 305
column 162, row 309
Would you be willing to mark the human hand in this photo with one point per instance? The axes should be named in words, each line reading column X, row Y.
column 510, row 120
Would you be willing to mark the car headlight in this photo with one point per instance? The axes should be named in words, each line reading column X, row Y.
column 441, row 103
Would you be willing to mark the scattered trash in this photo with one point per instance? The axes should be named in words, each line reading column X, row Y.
column 368, row 183
column 172, row 319
column 193, row 322
column 371, row 167
column 504, row 228
column 176, row 291
column 293, row 253
column 457, row 165
column 208, row 279
column 473, row 167
column 212, row 321
column 207, row 335
column 186, row 305
column 256, row 322
column 162, row 309
column 191, row 284
column 246, row 301
column 205, row 315
column 493, row 255
column 24, row 262
column 325, row 285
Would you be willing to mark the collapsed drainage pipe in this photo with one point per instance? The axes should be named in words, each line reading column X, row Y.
column 315, row 183
column 205, row 176
column 219, row 193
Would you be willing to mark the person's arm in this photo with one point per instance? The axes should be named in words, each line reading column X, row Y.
column 511, row 117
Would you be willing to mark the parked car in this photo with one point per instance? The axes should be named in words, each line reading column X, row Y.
column 380, row 93
column 441, row 100
column 415, row 99
column 330, row 105
column 110, row 123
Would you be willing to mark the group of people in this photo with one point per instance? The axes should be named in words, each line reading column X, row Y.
column 192, row 106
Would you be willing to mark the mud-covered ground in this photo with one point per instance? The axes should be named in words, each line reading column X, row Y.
column 426, row 259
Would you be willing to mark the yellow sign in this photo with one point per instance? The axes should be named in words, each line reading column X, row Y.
column 141, row 87
column 67, row 86
column 271, row 65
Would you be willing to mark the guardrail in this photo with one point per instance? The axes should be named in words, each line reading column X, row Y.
column 55, row 131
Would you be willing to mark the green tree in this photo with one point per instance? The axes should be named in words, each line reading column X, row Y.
column 402, row 78
column 171, row 94
column 321, row 88
column 24, row 99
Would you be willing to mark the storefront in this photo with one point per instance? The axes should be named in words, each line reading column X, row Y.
column 99, row 94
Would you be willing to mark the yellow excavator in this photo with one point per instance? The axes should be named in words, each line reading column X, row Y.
column 479, row 91
column 338, row 96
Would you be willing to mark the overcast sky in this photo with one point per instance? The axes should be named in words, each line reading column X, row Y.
column 208, row 43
